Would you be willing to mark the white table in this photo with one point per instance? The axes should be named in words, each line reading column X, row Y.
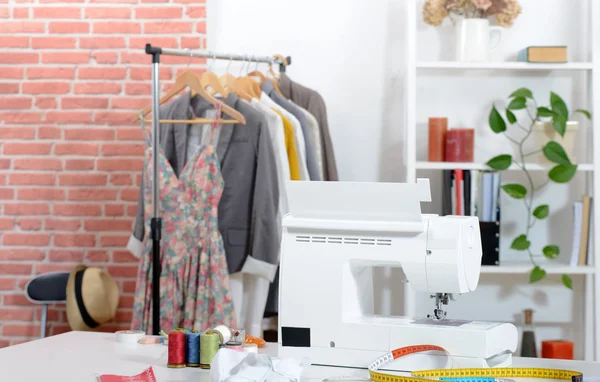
column 81, row 356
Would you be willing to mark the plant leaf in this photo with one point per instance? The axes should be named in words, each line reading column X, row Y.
column 566, row 280
column 496, row 121
column 517, row 103
column 562, row 173
column 558, row 105
column 536, row 274
column 520, row 243
column 515, row 190
column 541, row 212
column 555, row 153
column 545, row 112
column 560, row 125
column 551, row 251
column 584, row 112
column 522, row 92
column 510, row 116
column 501, row 162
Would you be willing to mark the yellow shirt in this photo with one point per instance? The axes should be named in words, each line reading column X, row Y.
column 290, row 146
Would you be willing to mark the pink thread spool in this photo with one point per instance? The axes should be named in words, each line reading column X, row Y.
column 234, row 345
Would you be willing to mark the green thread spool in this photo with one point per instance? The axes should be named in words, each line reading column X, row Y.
column 209, row 346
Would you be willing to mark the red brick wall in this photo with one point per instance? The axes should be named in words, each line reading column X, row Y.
column 72, row 77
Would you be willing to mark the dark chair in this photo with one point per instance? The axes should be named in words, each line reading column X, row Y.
column 46, row 289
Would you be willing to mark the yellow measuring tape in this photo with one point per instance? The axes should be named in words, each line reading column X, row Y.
column 462, row 375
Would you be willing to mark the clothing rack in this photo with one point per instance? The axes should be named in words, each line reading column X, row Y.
column 156, row 222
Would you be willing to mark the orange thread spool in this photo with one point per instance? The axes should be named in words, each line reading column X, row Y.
column 177, row 343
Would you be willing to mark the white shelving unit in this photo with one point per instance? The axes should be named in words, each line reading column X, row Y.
column 443, row 65
column 482, row 166
column 511, row 268
column 416, row 68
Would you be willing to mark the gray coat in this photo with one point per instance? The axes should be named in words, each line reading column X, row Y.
column 249, row 204
column 313, row 102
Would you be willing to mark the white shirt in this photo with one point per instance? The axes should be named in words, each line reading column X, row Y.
column 298, row 135
column 315, row 138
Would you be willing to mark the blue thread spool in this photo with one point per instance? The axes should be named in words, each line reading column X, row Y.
column 193, row 349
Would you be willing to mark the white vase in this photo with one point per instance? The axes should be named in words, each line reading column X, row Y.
column 543, row 132
column 473, row 40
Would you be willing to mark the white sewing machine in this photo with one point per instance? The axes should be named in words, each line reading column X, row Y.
column 334, row 235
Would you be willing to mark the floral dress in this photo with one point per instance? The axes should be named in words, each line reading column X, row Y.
column 194, row 281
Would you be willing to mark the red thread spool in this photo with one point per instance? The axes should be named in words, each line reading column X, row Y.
column 177, row 342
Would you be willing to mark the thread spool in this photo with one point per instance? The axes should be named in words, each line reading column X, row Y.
column 193, row 349
column 129, row 336
column 177, row 342
column 224, row 333
column 234, row 345
column 209, row 346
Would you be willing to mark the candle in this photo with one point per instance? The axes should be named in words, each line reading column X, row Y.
column 557, row 349
column 459, row 145
column 437, row 138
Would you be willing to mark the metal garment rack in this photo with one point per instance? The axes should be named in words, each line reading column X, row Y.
column 156, row 222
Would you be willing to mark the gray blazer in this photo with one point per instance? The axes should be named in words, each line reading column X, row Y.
column 249, row 204
column 311, row 155
column 313, row 102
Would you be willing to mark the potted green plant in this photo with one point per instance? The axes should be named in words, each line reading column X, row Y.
column 557, row 116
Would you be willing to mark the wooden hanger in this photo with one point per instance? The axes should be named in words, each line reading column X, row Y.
column 233, row 84
column 246, row 87
column 258, row 74
column 282, row 59
column 210, row 80
column 239, row 89
column 191, row 80
column 263, row 78
column 275, row 76
column 227, row 80
column 253, row 87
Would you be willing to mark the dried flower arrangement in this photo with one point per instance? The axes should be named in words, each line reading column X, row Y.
column 505, row 11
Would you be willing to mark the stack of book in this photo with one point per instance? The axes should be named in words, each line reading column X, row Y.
column 476, row 193
column 582, row 226
column 471, row 193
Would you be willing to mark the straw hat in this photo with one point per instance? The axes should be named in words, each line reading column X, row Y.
column 92, row 298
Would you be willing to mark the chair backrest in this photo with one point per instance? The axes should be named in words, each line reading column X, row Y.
column 48, row 288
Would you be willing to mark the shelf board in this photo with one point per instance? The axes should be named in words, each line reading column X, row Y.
column 503, row 65
column 483, row 166
column 526, row 268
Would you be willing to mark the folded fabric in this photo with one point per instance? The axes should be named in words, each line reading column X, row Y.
column 234, row 366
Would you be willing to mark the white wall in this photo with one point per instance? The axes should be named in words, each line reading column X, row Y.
column 335, row 49
column 352, row 52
